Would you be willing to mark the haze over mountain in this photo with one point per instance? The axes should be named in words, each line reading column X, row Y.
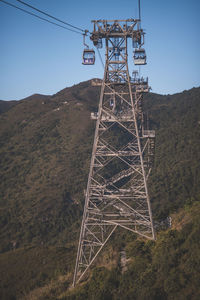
column 46, row 144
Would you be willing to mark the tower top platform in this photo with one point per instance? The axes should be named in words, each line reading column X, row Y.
column 116, row 28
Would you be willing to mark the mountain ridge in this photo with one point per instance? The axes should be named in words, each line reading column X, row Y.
column 46, row 145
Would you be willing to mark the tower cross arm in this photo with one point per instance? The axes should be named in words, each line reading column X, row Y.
column 115, row 28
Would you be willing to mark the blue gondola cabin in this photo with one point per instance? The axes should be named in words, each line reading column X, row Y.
column 88, row 57
column 139, row 57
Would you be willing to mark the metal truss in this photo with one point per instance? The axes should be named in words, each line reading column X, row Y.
column 117, row 193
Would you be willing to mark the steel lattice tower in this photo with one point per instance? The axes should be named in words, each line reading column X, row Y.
column 117, row 193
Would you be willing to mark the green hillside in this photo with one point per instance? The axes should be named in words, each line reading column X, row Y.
column 46, row 144
column 165, row 269
column 45, row 153
column 175, row 178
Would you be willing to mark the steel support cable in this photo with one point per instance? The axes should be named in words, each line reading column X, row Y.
column 139, row 10
column 50, row 16
column 41, row 18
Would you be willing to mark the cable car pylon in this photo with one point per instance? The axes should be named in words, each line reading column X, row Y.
column 122, row 156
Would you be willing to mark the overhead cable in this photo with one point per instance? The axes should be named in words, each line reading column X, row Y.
column 50, row 16
column 44, row 19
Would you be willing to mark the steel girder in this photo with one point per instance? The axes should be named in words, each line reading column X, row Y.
column 117, row 193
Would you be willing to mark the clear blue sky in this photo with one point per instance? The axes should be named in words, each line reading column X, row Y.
column 37, row 57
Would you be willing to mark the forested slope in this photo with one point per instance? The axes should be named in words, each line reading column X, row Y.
column 165, row 269
column 46, row 144
column 175, row 178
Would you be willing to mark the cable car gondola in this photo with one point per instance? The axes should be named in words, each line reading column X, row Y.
column 139, row 57
column 88, row 57
column 88, row 54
